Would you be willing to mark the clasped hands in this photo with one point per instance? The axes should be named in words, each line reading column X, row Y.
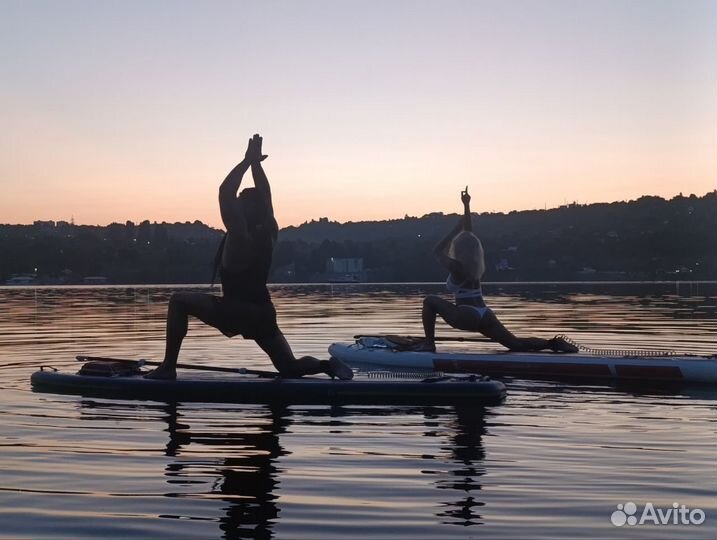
column 253, row 153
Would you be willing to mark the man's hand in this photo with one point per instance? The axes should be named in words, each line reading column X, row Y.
column 253, row 153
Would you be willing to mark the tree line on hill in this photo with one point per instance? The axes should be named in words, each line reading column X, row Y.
column 646, row 239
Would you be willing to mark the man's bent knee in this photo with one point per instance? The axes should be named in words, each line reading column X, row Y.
column 177, row 299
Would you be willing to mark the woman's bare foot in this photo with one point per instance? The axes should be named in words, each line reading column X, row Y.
column 162, row 372
column 560, row 344
column 426, row 345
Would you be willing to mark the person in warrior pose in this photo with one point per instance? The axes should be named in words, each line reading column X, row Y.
column 461, row 253
column 243, row 262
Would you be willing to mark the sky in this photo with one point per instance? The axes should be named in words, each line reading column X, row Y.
column 133, row 110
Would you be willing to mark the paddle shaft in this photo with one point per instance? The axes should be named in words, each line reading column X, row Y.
column 437, row 338
column 242, row 371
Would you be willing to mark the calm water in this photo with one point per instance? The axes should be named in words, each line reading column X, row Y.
column 552, row 462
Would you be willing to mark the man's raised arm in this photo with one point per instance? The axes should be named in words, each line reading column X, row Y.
column 261, row 182
column 231, row 212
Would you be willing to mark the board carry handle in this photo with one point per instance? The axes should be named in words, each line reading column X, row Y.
column 142, row 362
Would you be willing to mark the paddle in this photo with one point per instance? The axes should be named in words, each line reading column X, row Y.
column 437, row 338
column 242, row 371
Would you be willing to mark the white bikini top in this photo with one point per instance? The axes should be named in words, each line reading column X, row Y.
column 468, row 290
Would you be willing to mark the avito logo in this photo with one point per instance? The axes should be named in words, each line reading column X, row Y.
column 677, row 514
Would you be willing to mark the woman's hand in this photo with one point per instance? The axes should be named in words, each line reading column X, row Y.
column 253, row 151
column 465, row 198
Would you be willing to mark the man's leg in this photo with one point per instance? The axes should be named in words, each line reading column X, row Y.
column 281, row 355
column 181, row 305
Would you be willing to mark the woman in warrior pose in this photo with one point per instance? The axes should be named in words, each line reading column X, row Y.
column 461, row 253
column 243, row 262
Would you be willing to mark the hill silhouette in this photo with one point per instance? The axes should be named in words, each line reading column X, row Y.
column 646, row 239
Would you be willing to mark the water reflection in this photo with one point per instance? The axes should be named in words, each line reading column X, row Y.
column 236, row 458
column 246, row 479
column 466, row 450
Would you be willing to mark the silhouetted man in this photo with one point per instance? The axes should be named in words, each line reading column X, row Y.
column 243, row 261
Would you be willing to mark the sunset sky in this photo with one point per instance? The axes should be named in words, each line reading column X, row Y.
column 369, row 109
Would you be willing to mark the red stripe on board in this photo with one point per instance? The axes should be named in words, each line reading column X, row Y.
column 496, row 367
column 650, row 372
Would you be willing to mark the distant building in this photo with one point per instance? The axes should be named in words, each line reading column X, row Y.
column 345, row 270
column 44, row 224
column 22, row 279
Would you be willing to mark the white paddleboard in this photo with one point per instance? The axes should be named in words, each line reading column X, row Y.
column 667, row 368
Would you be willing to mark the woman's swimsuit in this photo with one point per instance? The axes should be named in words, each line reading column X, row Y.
column 468, row 294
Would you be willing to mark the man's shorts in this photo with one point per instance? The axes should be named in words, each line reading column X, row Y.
column 252, row 321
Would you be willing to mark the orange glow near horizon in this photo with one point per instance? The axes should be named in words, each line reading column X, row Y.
column 94, row 195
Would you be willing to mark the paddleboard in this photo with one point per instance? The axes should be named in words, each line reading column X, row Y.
column 378, row 352
column 365, row 388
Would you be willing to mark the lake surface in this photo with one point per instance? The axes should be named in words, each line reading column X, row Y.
column 553, row 461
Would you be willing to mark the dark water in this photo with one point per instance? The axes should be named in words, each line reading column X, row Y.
column 553, row 461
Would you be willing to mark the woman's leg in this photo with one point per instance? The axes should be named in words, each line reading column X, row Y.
column 465, row 318
column 491, row 327
column 181, row 305
column 456, row 317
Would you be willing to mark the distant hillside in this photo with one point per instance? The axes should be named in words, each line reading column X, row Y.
column 650, row 238
column 63, row 253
